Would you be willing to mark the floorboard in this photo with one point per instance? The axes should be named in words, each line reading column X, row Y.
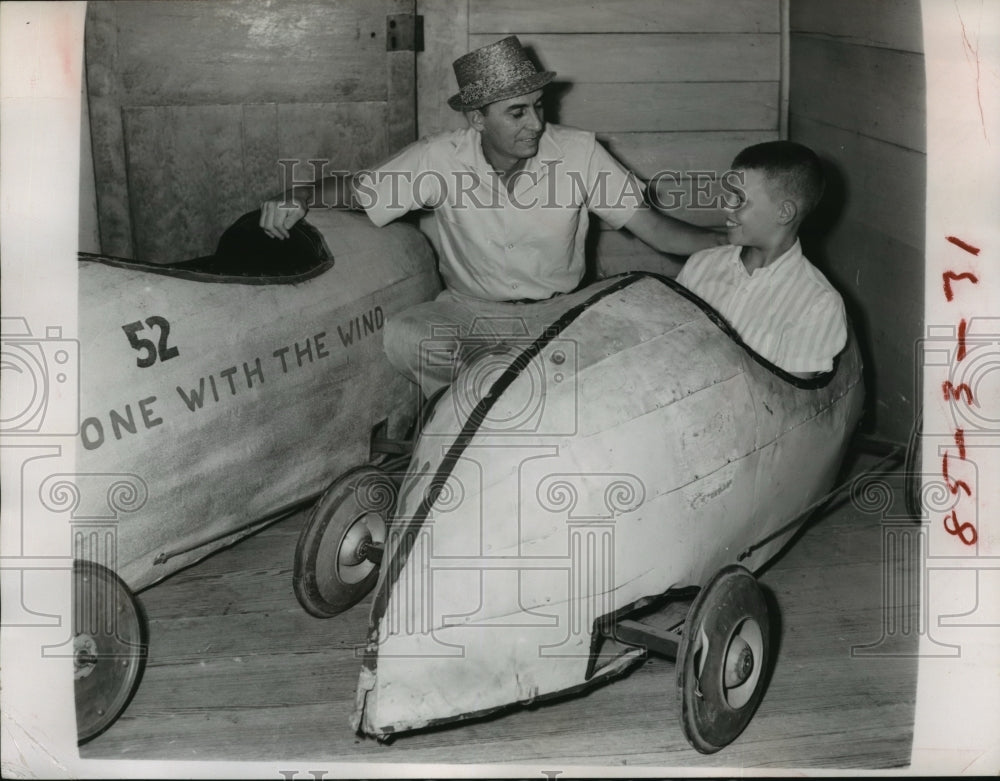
column 237, row 670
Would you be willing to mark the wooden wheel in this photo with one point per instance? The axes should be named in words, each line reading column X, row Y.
column 338, row 553
column 109, row 647
column 723, row 656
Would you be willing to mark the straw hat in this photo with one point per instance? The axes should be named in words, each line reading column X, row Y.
column 495, row 72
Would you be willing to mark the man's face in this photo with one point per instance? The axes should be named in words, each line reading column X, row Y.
column 511, row 128
column 751, row 213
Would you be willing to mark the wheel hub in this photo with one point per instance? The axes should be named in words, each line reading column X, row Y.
column 84, row 656
column 339, row 550
column 739, row 663
column 356, row 542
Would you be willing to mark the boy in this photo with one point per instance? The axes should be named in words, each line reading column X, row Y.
column 779, row 303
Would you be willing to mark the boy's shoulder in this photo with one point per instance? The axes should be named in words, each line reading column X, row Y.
column 816, row 277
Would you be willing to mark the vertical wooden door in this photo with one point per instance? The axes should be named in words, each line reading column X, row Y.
column 199, row 109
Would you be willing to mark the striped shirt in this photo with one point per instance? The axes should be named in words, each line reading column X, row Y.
column 786, row 311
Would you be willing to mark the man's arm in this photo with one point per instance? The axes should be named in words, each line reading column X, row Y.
column 280, row 213
column 670, row 235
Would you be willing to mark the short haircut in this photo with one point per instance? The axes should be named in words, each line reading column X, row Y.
column 792, row 171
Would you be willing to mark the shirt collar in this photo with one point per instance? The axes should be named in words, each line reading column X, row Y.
column 788, row 257
column 469, row 150
column 466, row 145
column 549, row 149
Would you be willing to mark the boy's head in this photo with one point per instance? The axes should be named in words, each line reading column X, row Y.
column 780, row 183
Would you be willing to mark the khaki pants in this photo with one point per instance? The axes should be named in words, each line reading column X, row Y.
column 431, row 342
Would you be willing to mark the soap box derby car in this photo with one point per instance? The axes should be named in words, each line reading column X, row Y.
column 636, row 450
column 215, row 395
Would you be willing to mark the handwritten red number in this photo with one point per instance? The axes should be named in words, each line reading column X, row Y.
column 959, row 243
column 961, row 338
column 966, row 532
column 950, row 276
column 955, row 391
column 960, row 441
column 959, row 530
column 953, row 485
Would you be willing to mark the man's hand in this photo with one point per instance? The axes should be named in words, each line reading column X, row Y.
column 279, row 214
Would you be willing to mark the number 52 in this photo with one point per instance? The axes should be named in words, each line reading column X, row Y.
column 152, row 351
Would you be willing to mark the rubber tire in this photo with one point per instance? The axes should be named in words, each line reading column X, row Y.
column 105, row 611
column 709, row 722
column 318, row 583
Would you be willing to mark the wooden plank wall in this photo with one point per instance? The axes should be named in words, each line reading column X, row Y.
column 192, row 105
column 668, row 85
column 857, row 96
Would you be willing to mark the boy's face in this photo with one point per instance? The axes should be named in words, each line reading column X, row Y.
column 752, row 218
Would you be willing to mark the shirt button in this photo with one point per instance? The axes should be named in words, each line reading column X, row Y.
column 514, row 285
column 510, row 246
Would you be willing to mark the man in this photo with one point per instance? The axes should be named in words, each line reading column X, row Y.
column 511, row 197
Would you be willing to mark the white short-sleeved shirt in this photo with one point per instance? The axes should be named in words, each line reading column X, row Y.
column 528, row 244
column 787, row 311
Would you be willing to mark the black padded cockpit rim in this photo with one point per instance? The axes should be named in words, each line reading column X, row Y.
column 205, row 276
column 820, row 380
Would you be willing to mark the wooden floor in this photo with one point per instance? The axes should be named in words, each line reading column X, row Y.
column 237, row 670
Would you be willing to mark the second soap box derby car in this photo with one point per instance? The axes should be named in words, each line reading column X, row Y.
column 636, row 450
column 217, row 394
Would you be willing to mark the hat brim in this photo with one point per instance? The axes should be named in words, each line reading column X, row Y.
column 520, row 87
